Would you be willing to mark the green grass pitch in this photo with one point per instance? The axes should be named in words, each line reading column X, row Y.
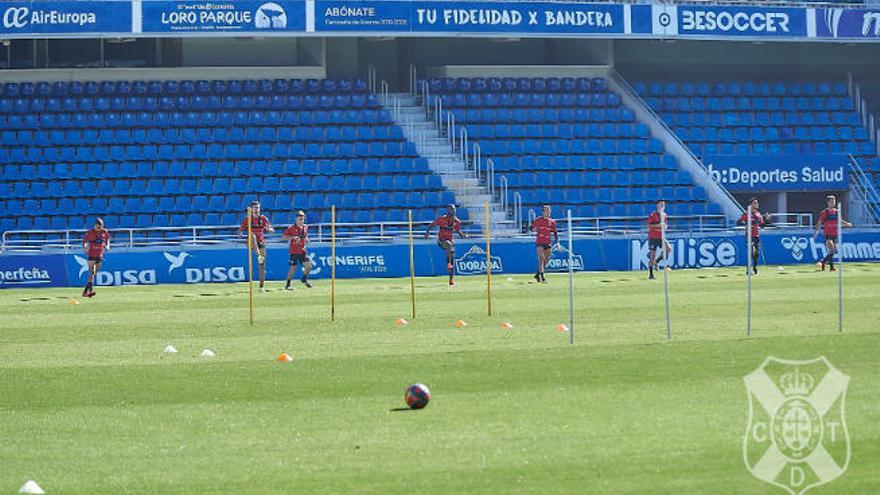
column 89, row 403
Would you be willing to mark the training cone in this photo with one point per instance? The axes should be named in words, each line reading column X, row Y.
column 460, row 324
column 31, row 487
column 170, row 349
column 208, row 353
column 73, row 300
column 510, row 279
column 507, row 325
column 284, row 358
column 400, row 322
column 561, row 328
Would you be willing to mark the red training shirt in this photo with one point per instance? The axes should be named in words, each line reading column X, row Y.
column 97, row 240
column 298, row 238
column 655, row 219
column 448, row 226
column 543, row 227
column 757, row 222
column 829, row 219
column 258, row 226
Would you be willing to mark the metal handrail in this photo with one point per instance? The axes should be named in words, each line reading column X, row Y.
column 385, row 92
column 502, row 182
column 517, row 210
column 371, row 78
column 864, row 182
column 450, row 129
column 477, row 159
column 463, row 141
column 490, row 174
column 413, row 79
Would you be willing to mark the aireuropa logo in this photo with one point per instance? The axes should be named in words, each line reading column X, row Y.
column 688, row 253
column 796, row 246
column 474, row 262
column 22, row 276
column 23, row 16
column 796, row 437
column 117, row 277
column 270, row 16
column 558, row 261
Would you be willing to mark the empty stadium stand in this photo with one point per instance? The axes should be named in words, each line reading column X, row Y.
column 760, row 117
column 570, row 142
column 182, row 153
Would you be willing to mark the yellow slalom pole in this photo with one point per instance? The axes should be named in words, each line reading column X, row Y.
column 250, row 265
column 412, row 268
column 488, row 263
column 333, row 263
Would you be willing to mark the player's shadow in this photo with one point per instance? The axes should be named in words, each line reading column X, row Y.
column 400, row 409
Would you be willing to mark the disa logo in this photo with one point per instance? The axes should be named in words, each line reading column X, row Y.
column 270, row 16
column 117, row 277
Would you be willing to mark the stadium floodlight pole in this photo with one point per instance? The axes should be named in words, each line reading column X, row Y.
column 663, row 225
column 488, row 262
column 839, row 268
column 250, row 255
column 412, row 267
column 749, row 271
column 332, row 262
column 570, row 283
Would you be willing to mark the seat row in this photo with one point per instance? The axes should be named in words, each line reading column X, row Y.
column 763, row 119
column 758, row 104
column 764, row 134
column 159, row 187
column 740, row 88
column 68, row 154
column 592, row 179
column 497, row 84
column 580, row 195
column 212, row 168
column 568, row 146
column 493, row 100
column 578, row 130
column 584, row 162
column 185, row 103
column 183, row 87
column 542, row 115
column 863, row 148
column 202, row 135
column 638, row 212
column 150, row 120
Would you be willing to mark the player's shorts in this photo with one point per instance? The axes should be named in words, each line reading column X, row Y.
column 756, row 242
column 655, row 244
column 260, row 244
column 444, row 245
column 830, row 236
column 97, row 259
column 301, row 258
column 545, row 246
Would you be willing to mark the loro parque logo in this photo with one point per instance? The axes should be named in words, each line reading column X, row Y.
column 796, row 437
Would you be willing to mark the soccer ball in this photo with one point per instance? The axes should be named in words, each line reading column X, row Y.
column 417, row 396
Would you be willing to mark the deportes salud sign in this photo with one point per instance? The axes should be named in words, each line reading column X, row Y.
column 744, row 173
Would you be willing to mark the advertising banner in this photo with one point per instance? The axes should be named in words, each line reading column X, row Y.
column 745, row 173
column 32, row 271
column 847, row 23
column 239, row 16
column 82, row 17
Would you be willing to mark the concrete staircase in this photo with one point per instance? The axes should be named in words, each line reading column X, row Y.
column 457, row 175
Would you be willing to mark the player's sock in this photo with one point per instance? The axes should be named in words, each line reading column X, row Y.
column 537, row 276
column 650, row 270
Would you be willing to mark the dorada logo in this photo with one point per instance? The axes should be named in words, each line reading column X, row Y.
column 474, row 262
column 796, row 437
column 270, row 16
column 175, row 262
column 372, row 263
column 687, row 253
column 24, row 275
column 117, row 277
column 558, row 261
column 796, row 245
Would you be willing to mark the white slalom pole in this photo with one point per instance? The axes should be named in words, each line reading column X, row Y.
column 749, row 270
column 839, row 246
column 570, row 284
column 663, row 226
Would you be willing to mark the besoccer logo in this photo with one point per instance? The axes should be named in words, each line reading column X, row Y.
column 796, row 437
column 796, row 245
column 270, row 16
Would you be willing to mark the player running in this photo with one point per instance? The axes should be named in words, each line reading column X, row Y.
column 829, row 222
column 543, row 227
column 298, row 235
column 259, row 227
column 95, row 242
column 758, row 222
column 449, row 224
column 658, row 222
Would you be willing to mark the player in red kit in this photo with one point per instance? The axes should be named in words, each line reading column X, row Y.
column 658, row 221
column 830, row 221
column 758, row 222
column 95, row 242
column 544, row 227
column 298, row 235
column 259, row 227
column 449, row 225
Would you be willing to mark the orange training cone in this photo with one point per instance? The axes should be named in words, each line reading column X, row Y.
column 73, row 301
column 400, row 322
column 284, row 358
column 460, row 324
column 561, row 328
column 507, row 325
